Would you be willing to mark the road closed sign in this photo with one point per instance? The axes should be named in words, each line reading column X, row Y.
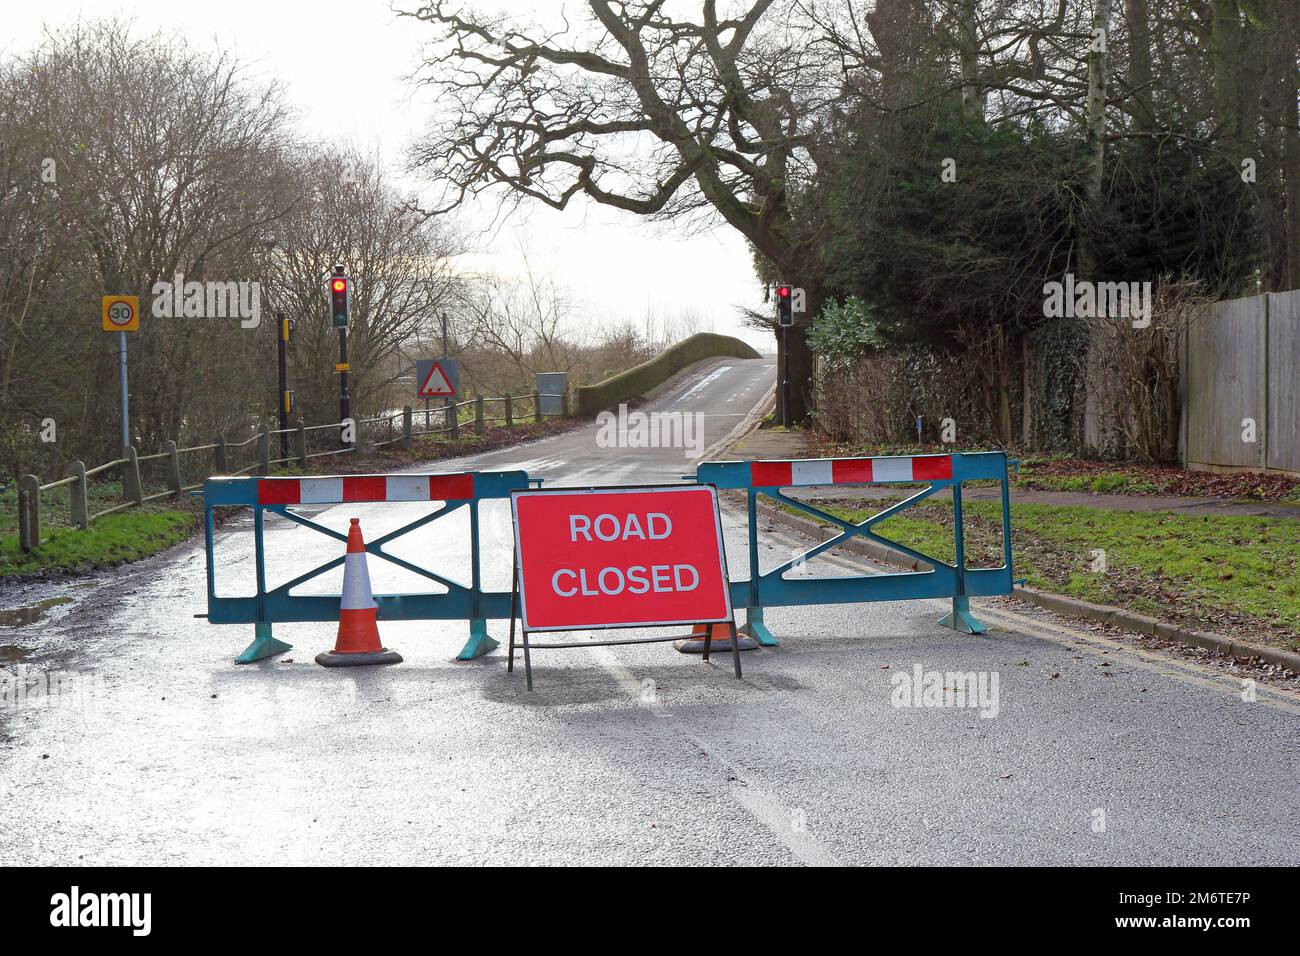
column 620, row 557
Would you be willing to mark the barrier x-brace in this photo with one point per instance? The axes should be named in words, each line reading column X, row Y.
column 280, row 495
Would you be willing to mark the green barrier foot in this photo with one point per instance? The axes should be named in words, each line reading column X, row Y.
column 263, row 646
column 960, row 619
column 479, row 643
column 755, row 628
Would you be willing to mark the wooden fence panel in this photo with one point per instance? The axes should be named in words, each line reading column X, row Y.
column 1284, row 381
column 1225, row 384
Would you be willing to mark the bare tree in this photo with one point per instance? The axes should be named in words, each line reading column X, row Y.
column 639, row 110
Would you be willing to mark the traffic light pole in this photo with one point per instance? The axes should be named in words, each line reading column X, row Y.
column 340, row 302
column 448, row 406
column 284, row 384
column 785, row 376
column 343, row 379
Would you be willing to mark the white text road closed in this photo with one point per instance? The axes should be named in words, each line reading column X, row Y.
column 618, row 557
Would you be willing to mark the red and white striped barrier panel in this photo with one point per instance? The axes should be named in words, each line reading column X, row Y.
column 310, row 491
column 849, row 471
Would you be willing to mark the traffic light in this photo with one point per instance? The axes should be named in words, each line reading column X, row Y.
column 784, row 311
column 339, row 297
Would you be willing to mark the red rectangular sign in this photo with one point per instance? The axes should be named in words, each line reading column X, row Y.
column 620, row 557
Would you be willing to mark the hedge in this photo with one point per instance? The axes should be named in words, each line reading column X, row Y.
column 640, row 379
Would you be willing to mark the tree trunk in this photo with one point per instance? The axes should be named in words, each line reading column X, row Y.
column 801, row 373
column 1095, row 152
column 1291, row 157
column 1137, row 14
column 972, row 95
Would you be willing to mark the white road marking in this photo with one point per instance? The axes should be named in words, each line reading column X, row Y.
column 704, row 382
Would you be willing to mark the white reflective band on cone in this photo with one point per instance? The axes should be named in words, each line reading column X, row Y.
column 356, row 584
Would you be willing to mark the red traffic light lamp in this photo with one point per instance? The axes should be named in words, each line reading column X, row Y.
column 784, row 312
column 339, row 298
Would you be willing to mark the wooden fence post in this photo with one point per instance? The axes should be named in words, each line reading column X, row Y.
column 564, row 404
column 29, row 512
column 537, row 406
column 77, row 496
column 132, row 489
column 300, row 442
column 478, row 415
column 220, row 460
column 510, row 416
column 453, row 419
column 407, row 426
column 264, row 452
column 173, row 468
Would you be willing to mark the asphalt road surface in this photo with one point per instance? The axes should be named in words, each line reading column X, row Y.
column 1091, row 752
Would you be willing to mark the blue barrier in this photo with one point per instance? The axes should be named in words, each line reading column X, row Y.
column 278, row 496
column 942, row 580
column 468, row 601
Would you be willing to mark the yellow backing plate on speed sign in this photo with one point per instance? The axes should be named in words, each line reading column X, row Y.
column 120, row 313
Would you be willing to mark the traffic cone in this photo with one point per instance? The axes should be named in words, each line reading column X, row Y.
column 721, row 640
column 358, row 640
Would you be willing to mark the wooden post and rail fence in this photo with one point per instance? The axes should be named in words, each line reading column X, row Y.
column 369, row 433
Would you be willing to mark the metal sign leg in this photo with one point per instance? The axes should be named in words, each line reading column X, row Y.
column 514, row 612
column 735, row 647
column 528, row 660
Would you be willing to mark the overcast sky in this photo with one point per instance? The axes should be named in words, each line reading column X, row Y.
column 343, row 62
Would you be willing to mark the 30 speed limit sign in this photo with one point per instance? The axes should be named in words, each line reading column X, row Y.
column 121, row 313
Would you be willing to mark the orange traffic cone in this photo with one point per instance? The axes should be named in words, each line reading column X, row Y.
column 358, row 640
column 721, row 640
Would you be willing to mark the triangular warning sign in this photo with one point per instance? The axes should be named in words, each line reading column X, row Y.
column 436, row 384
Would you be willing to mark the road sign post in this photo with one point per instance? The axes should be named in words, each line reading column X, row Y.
column 598, row 558
column 126, row 401
column 121, row 314
column 448, row 406
column 286, row 397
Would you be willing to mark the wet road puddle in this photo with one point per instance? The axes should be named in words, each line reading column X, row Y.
column 23, row 616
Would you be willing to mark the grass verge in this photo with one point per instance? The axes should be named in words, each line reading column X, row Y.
column 1228, row 574
column 126, row 536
